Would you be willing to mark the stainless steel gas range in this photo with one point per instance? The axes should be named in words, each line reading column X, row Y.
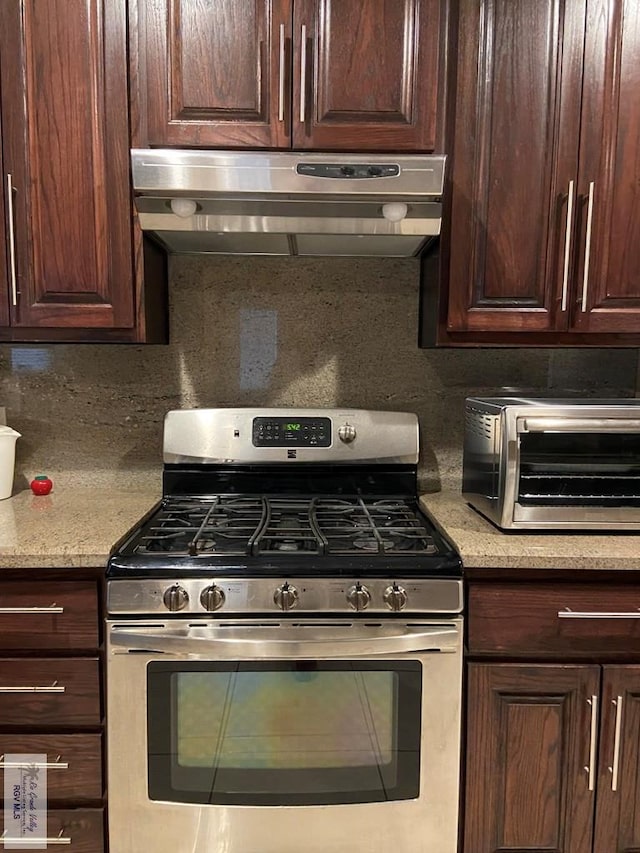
column 284, row 644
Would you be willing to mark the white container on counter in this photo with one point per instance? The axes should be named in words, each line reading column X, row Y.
column 8, row 439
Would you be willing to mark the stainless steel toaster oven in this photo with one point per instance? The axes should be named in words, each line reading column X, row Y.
column 537, row 464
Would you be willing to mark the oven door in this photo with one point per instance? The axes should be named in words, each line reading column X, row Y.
column 576, row 472
column 281, row 737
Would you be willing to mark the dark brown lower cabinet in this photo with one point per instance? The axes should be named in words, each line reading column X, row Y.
column 553, row 747
column 617, row 823
column 527, row 749
column 51, row 697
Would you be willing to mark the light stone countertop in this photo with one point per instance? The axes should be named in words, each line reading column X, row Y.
column 78, row 524
column 482, row 545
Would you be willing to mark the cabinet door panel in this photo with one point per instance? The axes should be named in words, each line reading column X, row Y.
column 78, row 776
column 5, row 270
column 84, row 829
column 523, row 619
column 48, row 615
column 617, row 824
column 66, row 145
column 608, row 294
column 213, row 71
column 371, row 74
column 528, row 743
column 515, row 154
column 50, row 692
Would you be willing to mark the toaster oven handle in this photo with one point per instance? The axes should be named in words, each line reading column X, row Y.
column 562, row 424
column 294, row 642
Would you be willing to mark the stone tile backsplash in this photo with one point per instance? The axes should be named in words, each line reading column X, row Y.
column 279, row 332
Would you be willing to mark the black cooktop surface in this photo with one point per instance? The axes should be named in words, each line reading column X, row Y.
column 296, row 535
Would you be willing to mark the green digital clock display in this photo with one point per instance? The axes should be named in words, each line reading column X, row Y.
column 293, row 427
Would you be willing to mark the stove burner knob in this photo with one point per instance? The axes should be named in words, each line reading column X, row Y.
column 175, row 598
column 346, row 433
column 286, row 597
column 395, row 597
column 212, row 598
column 359, row 597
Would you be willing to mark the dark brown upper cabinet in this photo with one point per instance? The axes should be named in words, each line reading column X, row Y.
column 543, row 240
column 308, row 74
column 74, row 258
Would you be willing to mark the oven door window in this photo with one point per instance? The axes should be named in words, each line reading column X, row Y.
column 579, row 469
column 294, row 733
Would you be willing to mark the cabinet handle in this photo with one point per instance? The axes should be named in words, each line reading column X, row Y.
column 54, row 688
column 591, row 767
column 567, row 245
column 54, row 608
column 12, row 242
column 587, row 246
column 16, row 842
column 49, row 765
column 303, row 71
column 616, row 744
column 596, row 614
column 281, row 79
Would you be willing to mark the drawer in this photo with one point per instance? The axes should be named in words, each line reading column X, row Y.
column 49, row 692
column 48, row 615
column 553, row 618
column 84, row 828
column 76, row 774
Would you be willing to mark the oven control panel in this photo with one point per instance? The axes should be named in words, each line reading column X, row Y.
column 291, row 432
column 233, row 596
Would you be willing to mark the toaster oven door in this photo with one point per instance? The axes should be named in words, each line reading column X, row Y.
column 577, row 473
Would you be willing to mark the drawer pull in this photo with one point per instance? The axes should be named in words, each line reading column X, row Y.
column 48, row 765
column 53, row 608
column 54, row 688
column 616, row 744
column 591, row 767
column 16, row 842
column 597, row 614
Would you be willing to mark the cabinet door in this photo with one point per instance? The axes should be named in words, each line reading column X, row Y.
column 607, row 297
column 5, row 271
column 531, row 734
column 617, row 826
column 215, row 73
column 365, row 74
column 65, row 147
column 515, row 164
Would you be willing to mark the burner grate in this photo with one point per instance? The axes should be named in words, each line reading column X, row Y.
column 259, row 525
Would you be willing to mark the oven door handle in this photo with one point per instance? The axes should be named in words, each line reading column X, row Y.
column 296, row 642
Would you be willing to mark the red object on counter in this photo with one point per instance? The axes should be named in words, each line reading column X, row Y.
column 41, row 485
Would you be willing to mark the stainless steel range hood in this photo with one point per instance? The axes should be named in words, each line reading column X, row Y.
column 277, row 203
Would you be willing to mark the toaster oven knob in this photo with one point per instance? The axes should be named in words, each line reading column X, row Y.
column 212, row 598
column 395, row 597
column 175, row 598
column 346, row 433
column 359, row 597
column 286, row 597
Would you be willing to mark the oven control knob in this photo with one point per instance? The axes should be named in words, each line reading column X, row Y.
column 212, row 598
column 175, row 598
column 359, row 597
column 395, row 597
column 346, row 433
column 286, row 597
